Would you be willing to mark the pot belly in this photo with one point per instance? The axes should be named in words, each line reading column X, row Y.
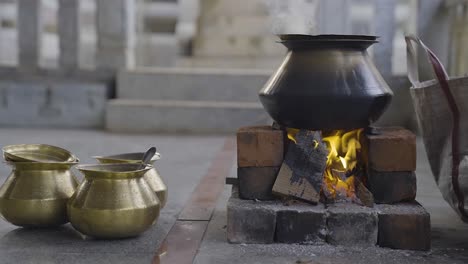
column 34, row 213
column 325, row 112
column 113, row 223
column 154, row 180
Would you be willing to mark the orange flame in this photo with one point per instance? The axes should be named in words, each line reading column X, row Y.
column 344, row 152
column 343, row 158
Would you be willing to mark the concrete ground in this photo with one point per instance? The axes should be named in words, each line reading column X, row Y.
column 185, row 162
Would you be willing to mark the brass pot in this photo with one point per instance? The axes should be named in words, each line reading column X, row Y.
column 37, row 153
column 113, row 201
column 152, row 176
column 36, row 194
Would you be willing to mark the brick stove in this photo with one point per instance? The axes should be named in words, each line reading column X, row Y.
column 266, row 206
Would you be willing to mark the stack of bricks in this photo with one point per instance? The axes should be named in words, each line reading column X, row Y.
column 397, row 221
column 392, row 181
column 260, row 151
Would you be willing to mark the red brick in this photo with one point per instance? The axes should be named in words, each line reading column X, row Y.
column 260, row 146
column 404, row 226
column 256, row 182
column 392, row 187
column 394, row 149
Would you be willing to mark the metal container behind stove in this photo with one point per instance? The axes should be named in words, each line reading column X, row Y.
column 326, row 82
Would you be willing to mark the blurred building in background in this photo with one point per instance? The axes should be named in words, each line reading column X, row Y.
column 192, row 65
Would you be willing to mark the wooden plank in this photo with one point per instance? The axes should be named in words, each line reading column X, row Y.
column 287, row 185
column 301, row 174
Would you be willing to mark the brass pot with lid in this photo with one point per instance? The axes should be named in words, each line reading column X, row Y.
column 152, row 176
column 113, row 201
column 36, row 193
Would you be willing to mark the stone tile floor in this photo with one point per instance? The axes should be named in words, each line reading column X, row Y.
column 185, row 160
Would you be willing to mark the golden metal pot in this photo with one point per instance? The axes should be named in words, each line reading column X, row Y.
column 36, row 194
column 152, row 176
column 113, row 201
column 37, row 153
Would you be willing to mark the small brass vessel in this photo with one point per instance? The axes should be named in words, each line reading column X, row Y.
column 113, row 201
column 152, row 176
column 36, row 194
column 37, row 153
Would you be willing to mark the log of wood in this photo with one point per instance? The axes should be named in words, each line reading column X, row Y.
column 301, row 174
column 362, row 193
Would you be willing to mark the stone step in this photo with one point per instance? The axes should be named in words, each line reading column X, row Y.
column 191, row 84
column 63, row 104
column 147, row 116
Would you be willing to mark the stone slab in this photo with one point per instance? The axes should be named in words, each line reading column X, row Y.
column 260, row 146
column 352, row 225
column 392, row 187
column 404, row 226
column 182, row 116
column 53, row 104
column 256, row 182
column 250, row 222
column 393, row 149
column 301, row 223
column 191, row 84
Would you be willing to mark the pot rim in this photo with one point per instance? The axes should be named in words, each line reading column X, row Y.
column 121, row 170
column 302, row 41
column 326, row 37
column 15, row 152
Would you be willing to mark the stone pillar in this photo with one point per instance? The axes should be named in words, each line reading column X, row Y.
column 29, row 34
column 186, row 27
column 334, row 17
column 115, row 25
column 434, row 28
column 385, row 28
column 69, row 34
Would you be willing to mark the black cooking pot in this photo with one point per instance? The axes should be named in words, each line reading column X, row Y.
column 326, row 82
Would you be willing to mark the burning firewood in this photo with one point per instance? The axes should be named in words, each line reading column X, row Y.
column 301, row 174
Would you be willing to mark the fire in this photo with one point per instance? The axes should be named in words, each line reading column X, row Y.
column 343, row 162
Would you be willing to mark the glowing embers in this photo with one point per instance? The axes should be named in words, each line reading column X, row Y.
column 344, row 171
